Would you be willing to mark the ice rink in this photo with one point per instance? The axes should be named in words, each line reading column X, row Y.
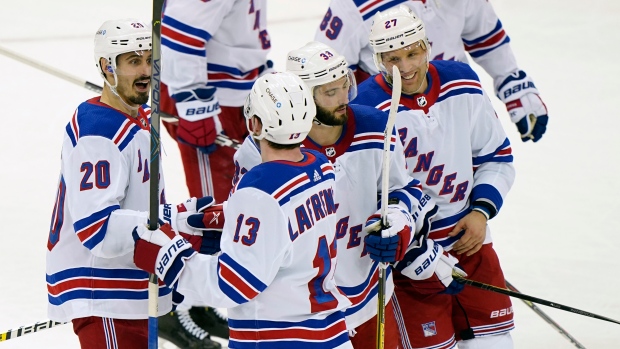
column 558, row 234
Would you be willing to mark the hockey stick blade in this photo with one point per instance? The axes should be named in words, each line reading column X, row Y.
column 24, row 330
column 510, row 293
column 221, row 140
column 548, row 319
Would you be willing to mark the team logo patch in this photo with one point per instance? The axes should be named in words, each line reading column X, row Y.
column 421, row 101
column 429, row 329
column 331, row 152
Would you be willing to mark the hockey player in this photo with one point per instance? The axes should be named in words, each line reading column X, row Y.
column 278, row 253
column 351, row 136
column 455, row 144
column 212, row 52
column 454, row 28
column 103, row 193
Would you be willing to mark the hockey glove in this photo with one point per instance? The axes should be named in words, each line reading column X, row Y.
column 391, row 244
column 430, row 267
column 177, row 215
column 199, row 122
column 161, row 252
column 211, row 223
column 524, row 105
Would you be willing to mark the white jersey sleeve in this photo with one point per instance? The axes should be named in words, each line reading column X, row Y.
column 249, row 259
column 344, row 29
column 217, row 43
column 487, row 42
column 494, row 172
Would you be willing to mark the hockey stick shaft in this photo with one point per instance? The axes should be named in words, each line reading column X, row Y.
column 546, row 317
column 510, row 293
column 154, row 200
column 221, row 140
column 385, row 186
column 24, row 330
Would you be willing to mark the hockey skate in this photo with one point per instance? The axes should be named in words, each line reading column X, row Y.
column 210, row 320
column 178, row 328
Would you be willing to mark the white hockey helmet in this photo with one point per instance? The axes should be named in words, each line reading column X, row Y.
column 318, row 64
column 120, row 36
column 394, row 29
column 285, row 106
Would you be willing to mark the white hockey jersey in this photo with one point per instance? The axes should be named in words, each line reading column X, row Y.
column 453, row 28
column 103, row 193
column 276, row 269
column 219, row 43
column 453, row 142
column 358, row 159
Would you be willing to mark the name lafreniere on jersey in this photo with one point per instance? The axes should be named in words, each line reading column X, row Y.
column 318, row 206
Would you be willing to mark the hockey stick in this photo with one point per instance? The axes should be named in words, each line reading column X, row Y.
column 510, row 293
column 385, row 185
column 154, row 199
column 221, row 140
column 546, row 317
column 24, row 330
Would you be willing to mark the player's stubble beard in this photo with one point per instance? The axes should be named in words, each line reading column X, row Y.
column 328, row 117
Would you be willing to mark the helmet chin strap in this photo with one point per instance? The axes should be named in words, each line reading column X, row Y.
column 113, row 89
column 319, row 123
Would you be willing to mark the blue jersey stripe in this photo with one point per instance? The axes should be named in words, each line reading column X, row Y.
column 132, row 132
column 479, row 53
column 104, row 295
column 182, row 27
column 479, row 160
column 288, row 344
column 182, row 48
column 310, row 323
column 459, row 91
column 72, row 137
column 498, row 27
column 243, row 273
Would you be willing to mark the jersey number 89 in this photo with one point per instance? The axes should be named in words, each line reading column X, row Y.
column 334, row 23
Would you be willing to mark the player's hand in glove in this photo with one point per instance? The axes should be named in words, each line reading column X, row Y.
column 199, row 122
column 524, row 105
column 430, row 267
column 211, row 222
column 391, row 244
column 177, row 215
column 162, row 252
